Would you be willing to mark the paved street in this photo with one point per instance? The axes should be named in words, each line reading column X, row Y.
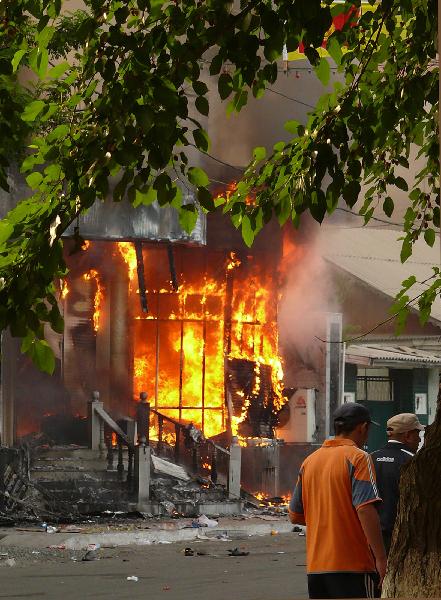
column 273, row 570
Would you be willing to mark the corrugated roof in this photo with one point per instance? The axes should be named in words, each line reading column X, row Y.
column 373, row 256
column 375, row 355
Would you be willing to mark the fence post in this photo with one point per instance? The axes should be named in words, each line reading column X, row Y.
column 213, row 472
column 143, row 418
column 142, row 474
column 234, row 469
column 94, row 421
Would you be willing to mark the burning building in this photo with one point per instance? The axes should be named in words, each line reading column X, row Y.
column 190, row 320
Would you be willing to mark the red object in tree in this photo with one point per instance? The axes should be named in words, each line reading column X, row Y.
column 338, row 22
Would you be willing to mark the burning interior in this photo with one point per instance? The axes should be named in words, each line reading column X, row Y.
column 195, row 327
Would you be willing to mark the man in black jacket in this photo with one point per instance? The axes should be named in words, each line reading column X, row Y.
column 403, row 432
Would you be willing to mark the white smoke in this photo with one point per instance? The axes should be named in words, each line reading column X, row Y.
column 307, row 296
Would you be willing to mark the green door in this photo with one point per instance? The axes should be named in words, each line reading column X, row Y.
column 380, row 411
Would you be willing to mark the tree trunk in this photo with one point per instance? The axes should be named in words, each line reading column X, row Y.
column 414, row 566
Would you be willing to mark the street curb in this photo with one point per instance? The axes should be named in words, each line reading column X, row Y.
column 80, row 542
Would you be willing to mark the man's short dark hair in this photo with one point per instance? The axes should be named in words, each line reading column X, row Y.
column 341, row 427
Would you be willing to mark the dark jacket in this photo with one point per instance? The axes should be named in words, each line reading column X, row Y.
column 388, row 462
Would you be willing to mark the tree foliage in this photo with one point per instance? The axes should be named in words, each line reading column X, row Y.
column 110, row 103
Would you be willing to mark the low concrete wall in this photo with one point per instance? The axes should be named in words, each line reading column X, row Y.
column 273, row 469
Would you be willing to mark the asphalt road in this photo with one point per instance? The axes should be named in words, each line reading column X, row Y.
column 273, row 570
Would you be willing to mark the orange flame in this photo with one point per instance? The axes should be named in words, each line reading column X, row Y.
column 128, row 252
column 266, row 501
column 64, row 289
column 85, row 245
column 192, row 343
column 250, row 199
column 233, row 262
column 98, row 298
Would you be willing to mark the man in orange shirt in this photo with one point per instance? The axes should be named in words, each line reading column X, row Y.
column 335, row 497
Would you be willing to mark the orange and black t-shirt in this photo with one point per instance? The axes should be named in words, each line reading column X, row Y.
column 333, row 483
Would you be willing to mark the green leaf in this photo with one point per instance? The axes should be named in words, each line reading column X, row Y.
column 32, row 110
column 188, row 215
column 42, row 62
column 59, row 132
column 401, row 184
column 388, row 206
column 323, row 71
column 145, row 117
column 247, row 231
column 334, row 49
column 205, row 199
column 145, row 197
column 17, row 58
column 202, row 106
column 406, row 250
column 201, row 139
column 312, row 55
column 350, row 192
column 200, row 88
column 34, row 179
column 198, row 177
column 176, row 200
column 292, row 126
column 259, row 153
column 430, row 236
column 43, row 356
column 58, row 70
column 6, row 230
column 225, row 86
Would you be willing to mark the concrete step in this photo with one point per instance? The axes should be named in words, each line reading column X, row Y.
column 74, row 475
column 70, row 465
column 85, row 495
column 78, row 452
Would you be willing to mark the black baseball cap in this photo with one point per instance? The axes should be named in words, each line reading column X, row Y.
column 353, row 414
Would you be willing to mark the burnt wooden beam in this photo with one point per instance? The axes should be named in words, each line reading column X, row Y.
column 171, row 264
column 141, row 276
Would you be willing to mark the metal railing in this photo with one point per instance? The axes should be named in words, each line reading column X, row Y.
column 184, row 444
column 108, row 437
column 180, row 443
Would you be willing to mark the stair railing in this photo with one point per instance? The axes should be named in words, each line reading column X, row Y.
column 199, row 455
column 176, row 441
column 102, row 426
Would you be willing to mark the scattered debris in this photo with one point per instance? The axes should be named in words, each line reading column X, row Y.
column 92, row 553
column 193, row 434
column 204, row 521
column 51, row 529
column 188, row 552
column 11, row 562
column 237, row 552
column 169, row 507
column 160, row 465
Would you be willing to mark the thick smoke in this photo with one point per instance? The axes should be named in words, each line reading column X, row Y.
column 307, row 296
